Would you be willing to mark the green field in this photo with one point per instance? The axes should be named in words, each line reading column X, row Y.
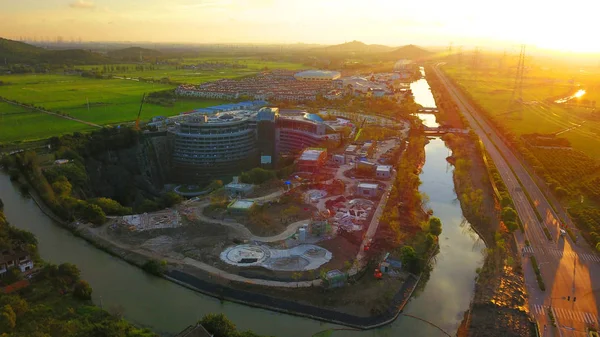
column 17, row 123
column 197, row 76
column 492, row 88
column 105, row 101
column 110, row 101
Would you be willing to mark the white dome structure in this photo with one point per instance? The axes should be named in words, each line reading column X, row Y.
column 317, row 75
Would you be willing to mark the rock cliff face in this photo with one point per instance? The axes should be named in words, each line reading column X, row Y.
column 130, row 174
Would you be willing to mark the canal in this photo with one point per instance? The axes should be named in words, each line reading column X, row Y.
column 168, row 308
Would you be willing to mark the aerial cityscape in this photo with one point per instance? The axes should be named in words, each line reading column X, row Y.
column 222, row 168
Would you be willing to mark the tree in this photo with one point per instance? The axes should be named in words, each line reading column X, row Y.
column 435, row 226
column 511, row 226
column 62, row 186
column 82, row 290
column 509, row 214
column 409, row 259
column 170, row 198
column 218, row 325
column 561, row 192
column 8, row 318
column 19, row 305
column 110, row 206
column 69, row 273
column 12, row 275
column 90, row 212
column 153, row 267
column 215, row 185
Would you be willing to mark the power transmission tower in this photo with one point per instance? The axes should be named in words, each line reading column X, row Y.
column 475, row 63
column 516, row 99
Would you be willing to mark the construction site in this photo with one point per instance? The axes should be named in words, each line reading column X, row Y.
column 310, row 228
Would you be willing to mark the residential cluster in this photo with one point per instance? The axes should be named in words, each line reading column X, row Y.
column 284, row 85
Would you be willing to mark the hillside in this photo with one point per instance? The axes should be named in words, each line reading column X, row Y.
column 19, row 52
column 133, row 53
column 354, row 46
column 409, row 52
column 23, row 53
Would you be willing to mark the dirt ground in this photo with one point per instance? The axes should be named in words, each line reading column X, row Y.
column 271, row 219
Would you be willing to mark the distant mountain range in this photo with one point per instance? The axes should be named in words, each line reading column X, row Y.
column 354, row 46
column 13, row 52
column 19, row 52
column 410, row 51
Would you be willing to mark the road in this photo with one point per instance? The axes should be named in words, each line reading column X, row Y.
column 569, row 270
column 53, row 114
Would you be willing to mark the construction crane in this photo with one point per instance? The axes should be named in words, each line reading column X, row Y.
column 360, row 129
column 137, row 120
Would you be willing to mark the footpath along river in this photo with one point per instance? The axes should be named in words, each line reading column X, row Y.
column 167, row 307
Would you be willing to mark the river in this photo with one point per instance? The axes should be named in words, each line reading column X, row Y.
column 168, row 308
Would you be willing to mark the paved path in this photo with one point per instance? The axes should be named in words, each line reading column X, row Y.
column 244, row 231
column 53, row 113
column 234, row 277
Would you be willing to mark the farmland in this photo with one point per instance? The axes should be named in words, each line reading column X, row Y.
column 492, row 89
column 18, row 123
column 110, row 100
column 231, row 68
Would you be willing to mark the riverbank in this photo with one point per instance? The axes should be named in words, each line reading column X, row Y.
column 496, row 307
column 499, row 298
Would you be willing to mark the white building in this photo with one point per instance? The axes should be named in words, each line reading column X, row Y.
column 317, row 75
column 367, row 189
column 383, row 171
column 10, row 259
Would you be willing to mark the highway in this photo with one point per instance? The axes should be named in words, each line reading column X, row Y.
column 570, row 271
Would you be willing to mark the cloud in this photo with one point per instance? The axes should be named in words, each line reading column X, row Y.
column 82, row 4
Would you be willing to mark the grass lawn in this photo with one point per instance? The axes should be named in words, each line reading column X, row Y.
column 493, row 90
column 110, row 101
column 21, row 124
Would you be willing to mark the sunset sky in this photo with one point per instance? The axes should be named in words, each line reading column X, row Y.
column 546, row 24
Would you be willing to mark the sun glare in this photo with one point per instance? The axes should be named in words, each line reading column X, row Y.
column 579, row 93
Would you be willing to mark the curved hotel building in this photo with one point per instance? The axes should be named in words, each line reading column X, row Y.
column 205, row 147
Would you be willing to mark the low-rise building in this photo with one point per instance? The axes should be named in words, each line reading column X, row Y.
column 339, row 159
column 351, row 149
column 383, row 171
column 10, row 259
column 365, row 167
column 312, row 159
column 367, row 189
column 194, row 331
column 240, row 206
